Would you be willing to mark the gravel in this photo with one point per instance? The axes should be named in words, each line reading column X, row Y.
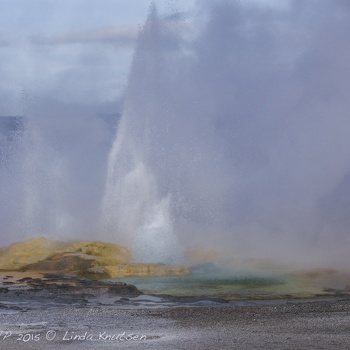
column 323, row 324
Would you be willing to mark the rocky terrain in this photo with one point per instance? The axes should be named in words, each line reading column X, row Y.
column 89, row 259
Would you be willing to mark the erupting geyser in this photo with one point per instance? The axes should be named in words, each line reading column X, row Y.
column 234, row 136
column 133, row 205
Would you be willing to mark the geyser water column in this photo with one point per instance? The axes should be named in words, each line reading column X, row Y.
column 32, row 183
column 135, row 211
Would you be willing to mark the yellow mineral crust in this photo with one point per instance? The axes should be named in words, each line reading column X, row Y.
column 93, row 259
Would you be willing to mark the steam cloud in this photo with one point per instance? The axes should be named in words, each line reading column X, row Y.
column 242, row 117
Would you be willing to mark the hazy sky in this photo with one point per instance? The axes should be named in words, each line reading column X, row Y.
column 72, row 50
column 75, row 51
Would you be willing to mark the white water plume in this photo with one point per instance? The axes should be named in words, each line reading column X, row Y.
column 134, row 211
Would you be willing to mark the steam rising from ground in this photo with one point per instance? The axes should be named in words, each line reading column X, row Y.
column 234, row 135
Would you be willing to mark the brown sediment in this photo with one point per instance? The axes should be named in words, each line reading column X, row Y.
column 330, row 280
column 147, row 269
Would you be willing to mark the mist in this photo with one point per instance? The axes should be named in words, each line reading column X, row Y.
column 234, row 119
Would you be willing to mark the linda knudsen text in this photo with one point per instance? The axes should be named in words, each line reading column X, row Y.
column 51, row 335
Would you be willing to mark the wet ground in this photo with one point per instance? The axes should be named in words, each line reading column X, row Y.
column 310, row 325
column 93, row 315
